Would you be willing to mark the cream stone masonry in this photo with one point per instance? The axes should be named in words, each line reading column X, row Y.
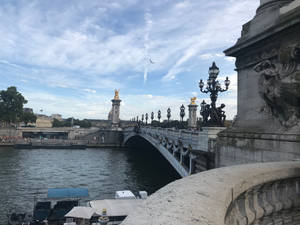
column 267, row 127
column 192, row 122
column 290, row 7
column 261, row 194
column 115, row 111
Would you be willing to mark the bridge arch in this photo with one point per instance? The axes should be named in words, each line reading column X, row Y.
column 163, row 149
column 187, row 151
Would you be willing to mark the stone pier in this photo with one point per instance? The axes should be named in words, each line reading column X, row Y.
column 267, row 127
column 116, row 111
column 192, row 123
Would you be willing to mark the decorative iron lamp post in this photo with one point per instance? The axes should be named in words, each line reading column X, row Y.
column 158, row 115
column 216, row 115
column 146, row 117
column 137, row 119
column 142, row 118
column 182, row 112
column 152, row 117
column 169, row 114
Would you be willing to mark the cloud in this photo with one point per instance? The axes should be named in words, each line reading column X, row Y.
column 148, row 22
column 212, row 35
column 94, row 107
column 88, row 48
column 90, row 90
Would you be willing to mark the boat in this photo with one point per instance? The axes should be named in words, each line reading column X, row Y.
column 19, row 219
column 41, row 212
column 67, row 210
column 60, row 209
column 66, row 199
column 107, row 211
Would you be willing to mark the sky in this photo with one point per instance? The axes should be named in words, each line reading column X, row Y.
column 68, row 56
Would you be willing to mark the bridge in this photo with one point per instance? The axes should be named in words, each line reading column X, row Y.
column 188, row 151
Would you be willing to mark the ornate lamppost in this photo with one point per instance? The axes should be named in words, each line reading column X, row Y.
column 213, row 116
column 152, row 117
column 169, row 114
column 159, row 115
column 182, row 112
column 146, row 117
column 142, row 118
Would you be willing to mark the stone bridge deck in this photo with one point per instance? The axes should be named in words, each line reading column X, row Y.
column 187, row 151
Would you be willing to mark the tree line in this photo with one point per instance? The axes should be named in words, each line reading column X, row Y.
column 71, row 122
column 11, row 107
column 12, row 111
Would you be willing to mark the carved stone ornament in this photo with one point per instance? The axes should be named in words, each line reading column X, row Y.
column 279, row 85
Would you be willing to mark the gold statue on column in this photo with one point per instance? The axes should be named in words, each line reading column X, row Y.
column 117, row 94
column 193, row 100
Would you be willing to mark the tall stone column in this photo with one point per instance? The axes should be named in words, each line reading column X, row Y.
column 192, row 124
column 116, row 110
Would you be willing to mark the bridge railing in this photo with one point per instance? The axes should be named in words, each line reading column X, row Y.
column 197, row 140
column 187, row 150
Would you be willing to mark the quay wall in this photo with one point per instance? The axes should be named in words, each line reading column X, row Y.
column 91, row 137
column 104, row 138
column 10, row 132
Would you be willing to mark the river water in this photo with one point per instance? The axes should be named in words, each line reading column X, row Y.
column 26, row 174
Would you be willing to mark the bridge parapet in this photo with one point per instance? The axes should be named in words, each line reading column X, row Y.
column 187, row 151
column 195, row 140
column 262, row 194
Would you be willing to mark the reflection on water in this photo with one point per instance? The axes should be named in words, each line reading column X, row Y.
column 25, row 174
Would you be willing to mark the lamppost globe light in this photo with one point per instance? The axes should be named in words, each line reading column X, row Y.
column 227, row 82
column 213, row 71
column 201, row 84
column 209, row 82
column 211, row 114
column 158, row 115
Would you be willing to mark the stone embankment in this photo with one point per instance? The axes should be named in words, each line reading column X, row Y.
column 263, row 193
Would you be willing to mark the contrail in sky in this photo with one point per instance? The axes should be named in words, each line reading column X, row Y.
column 148, row 22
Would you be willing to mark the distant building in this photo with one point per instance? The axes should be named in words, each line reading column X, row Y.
column 30, row 110
column 43, row 121
column 57, row 116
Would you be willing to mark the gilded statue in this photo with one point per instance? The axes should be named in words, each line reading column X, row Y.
column 193, row 101
column 117, row 94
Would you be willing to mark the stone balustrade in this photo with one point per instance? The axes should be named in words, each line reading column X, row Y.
column 197, row 140
column 252, row 194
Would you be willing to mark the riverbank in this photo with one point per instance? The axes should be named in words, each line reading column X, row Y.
column 57, row 144
column 57, row 138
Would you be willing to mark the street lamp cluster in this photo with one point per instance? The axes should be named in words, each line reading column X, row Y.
column 146, row 116
column 211, row 115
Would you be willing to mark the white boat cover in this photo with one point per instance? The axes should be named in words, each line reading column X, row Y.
column 82, row 212
column 116, row 207
column 124, row 195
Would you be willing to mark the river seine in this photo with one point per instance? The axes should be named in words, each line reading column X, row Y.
column 27, row 174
